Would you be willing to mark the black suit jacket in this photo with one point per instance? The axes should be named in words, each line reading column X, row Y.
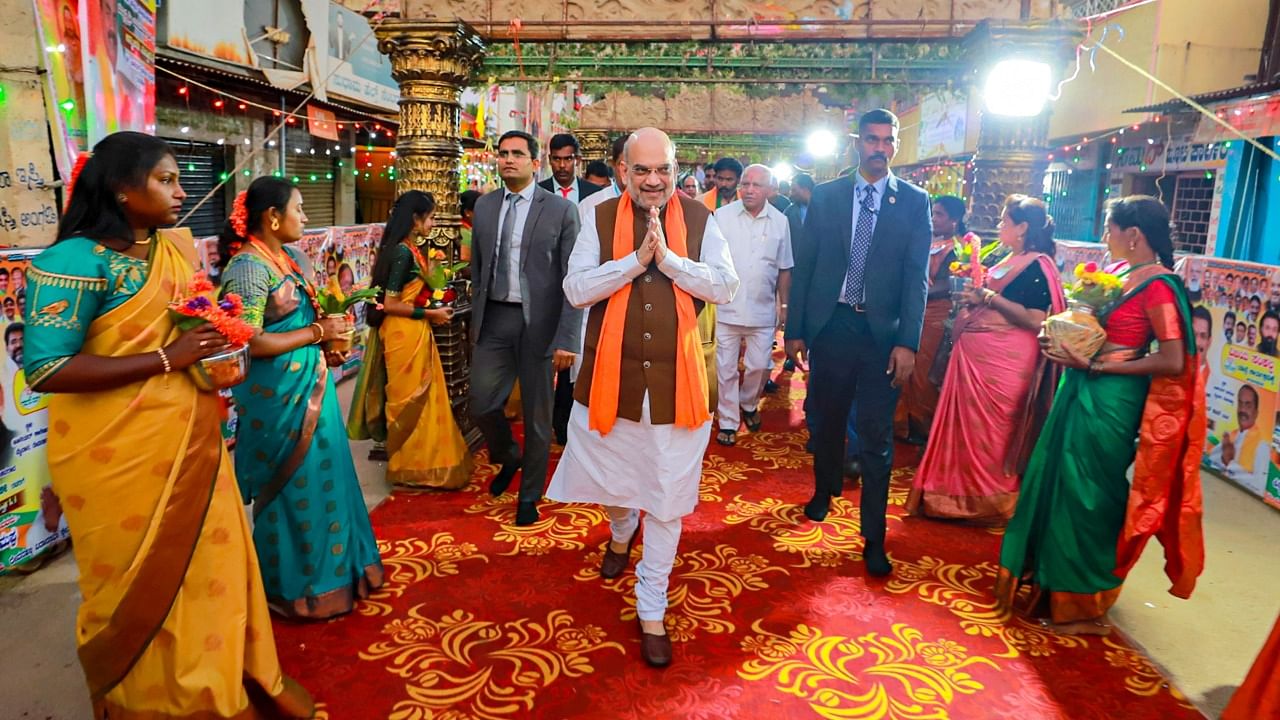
column 550, row 231
column 796, row 225
column 585, row 188
column 897, row 268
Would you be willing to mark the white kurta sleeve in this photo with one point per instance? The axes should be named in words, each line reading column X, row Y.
column 714, row 279
column 588, row 281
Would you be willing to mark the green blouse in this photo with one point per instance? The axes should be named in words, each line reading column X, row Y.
column 403, row 266
column 69, row 285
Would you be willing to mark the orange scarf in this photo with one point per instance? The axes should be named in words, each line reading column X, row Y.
column 691, row 371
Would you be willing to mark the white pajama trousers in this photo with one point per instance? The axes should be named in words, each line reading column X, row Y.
column 758, row 361
column 658, row 554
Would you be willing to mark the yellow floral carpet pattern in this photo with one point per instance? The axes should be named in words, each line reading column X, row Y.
column 773, row 616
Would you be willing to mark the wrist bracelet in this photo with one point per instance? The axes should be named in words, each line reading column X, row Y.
column 418, row 313
column 988, row 296
column 319, row 332
column 1095, row 368
column 164, row 360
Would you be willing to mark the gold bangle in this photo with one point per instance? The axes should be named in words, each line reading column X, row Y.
column 164, row 359
column 988, row 296
column 319, row 332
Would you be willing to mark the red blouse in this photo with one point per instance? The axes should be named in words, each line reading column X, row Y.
column 1152, row 313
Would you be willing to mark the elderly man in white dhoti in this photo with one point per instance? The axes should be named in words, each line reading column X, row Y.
column 644, row 264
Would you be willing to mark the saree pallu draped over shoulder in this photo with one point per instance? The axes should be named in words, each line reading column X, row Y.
column 1080, row 525
column 174, row 622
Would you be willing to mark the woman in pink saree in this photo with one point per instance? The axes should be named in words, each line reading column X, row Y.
column 998, row 385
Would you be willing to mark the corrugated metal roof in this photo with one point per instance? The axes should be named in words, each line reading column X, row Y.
column 1258, row 88
column 180, row 59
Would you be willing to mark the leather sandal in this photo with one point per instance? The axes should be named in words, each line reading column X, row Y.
column 751, row 418
column 613, row 563
column 728, row 438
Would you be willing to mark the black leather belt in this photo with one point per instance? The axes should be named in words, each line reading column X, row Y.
column 856, row 307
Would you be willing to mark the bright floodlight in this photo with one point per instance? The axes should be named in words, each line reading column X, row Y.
column 821, row 143
column 783, row 172
column 1018, row 87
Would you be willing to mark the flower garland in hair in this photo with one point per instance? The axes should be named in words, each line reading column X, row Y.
column 81, row 159
column 239, row 220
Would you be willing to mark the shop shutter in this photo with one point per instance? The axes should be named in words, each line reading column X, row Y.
column 201, row 166
column 317, row 194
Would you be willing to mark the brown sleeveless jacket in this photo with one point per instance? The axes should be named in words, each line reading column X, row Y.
column 649, row 337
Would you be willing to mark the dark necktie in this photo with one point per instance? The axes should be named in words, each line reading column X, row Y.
column 854, row 276
column 501, row 285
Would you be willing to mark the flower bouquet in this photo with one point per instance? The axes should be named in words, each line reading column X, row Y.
column 334, row 302
column 197, row 308
column 438, row 276
column 1078, row 328
column 963, row 270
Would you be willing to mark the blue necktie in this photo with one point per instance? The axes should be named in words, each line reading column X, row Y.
column 855, row 275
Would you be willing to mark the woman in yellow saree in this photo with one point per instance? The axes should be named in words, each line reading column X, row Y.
column 174, row 622
column 401, row 398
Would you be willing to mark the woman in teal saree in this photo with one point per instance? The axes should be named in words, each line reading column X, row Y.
column 1080, row 525
column 311, row 528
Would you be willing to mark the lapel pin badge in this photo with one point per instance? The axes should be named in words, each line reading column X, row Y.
column 892, row 199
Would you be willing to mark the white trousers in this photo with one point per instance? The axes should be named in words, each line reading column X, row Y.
column 658, row 554
column 757, row 359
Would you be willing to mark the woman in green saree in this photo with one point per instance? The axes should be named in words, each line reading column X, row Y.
column 311, row 528
column 1079, row 524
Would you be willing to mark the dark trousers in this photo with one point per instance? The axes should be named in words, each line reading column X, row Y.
column 563, row 406
column 500, row 357
column 848, row 368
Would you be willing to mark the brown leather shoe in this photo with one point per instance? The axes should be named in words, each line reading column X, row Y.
column 613, row 563
column 655, row 649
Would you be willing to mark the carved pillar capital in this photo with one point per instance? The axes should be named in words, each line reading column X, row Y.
column 595, row 145
column 1012, row 151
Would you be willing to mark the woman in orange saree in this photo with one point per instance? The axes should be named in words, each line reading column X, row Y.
column 401, row 397
column 174, row 623
column 1080, row 524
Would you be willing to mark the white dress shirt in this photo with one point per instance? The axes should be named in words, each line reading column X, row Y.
column 859, row 191
column 573, row 191
column 760, row 246
column 517, row 233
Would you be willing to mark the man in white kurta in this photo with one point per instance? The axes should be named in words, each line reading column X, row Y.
column 649, row 464
column 759, row 239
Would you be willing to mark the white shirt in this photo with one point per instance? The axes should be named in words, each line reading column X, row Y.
column 860, row 185
column 573, row 191
column 517, row 233
column 760, row 246
column 588, row 281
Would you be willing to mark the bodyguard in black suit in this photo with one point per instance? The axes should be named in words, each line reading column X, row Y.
column 521, row 325
column 857, row 305
column 563, row 152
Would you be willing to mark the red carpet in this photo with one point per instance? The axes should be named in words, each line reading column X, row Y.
column 773, row 615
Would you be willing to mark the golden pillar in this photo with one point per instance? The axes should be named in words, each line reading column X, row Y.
column 432, row 61
column 1012, row 152
column 595, row 145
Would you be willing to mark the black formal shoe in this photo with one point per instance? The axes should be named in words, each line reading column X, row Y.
column 526, row 513
column 770, row 387
column 818, row 506
column 378, row 453
column 788, row 365
column 853, row 469
column 877, row 562
column 655, row 649
column 502, row 480
column 613, row 563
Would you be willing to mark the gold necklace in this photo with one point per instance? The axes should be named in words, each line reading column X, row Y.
column 150, row 237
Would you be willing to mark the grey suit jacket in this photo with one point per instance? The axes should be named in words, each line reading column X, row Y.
column 549, row 233
column 897, row 268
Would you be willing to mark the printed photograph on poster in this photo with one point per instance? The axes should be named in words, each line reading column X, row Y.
column 1237, row 310
column 31, row 518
